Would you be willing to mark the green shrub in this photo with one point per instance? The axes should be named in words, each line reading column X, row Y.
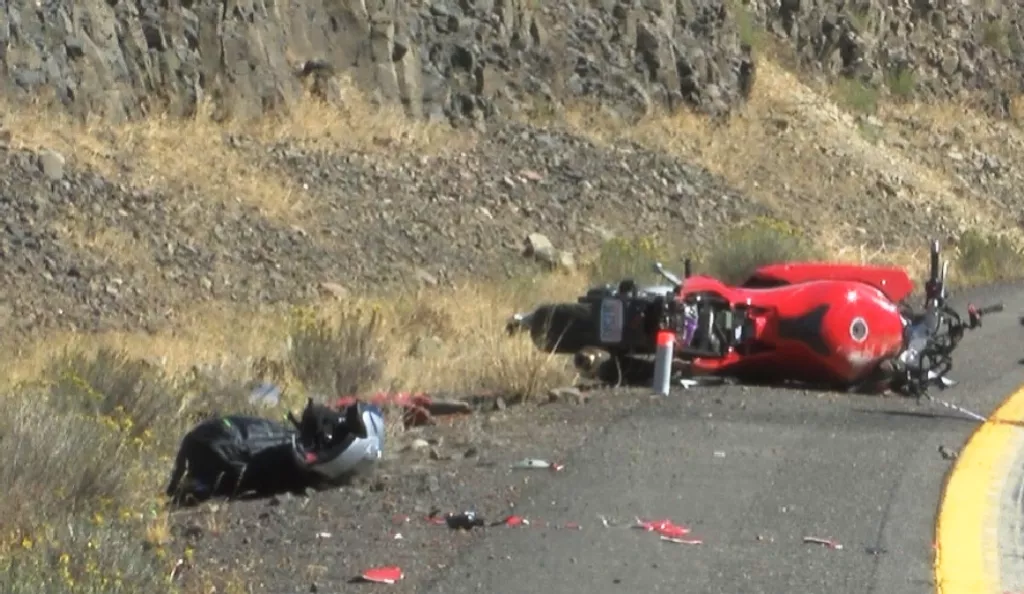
column 901, row 82
column 84, row 557
column 736, row 254
column 856, row 96
column 339, row 357
column 627, row 257
column 111, row 384
column 987, row 257
column 57, row 462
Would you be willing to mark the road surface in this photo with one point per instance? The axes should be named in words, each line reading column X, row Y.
column 752, row 472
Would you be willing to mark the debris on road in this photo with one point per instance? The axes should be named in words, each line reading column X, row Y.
column 956, row 408
column 688, row 541
column 513, row 521
column 666, row 528
column 823, row 541
column 535, row 464
column 388, row 574
column 948, row 453
column 418, row 408
column 464, row 521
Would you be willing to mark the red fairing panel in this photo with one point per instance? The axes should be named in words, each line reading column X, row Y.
column 891, row 280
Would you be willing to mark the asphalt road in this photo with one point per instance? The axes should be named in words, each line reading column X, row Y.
column 752, row 472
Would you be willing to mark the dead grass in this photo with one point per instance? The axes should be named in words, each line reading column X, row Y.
column 807, row 155
column 189, row 158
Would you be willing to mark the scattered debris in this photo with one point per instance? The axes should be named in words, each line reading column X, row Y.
column 689, row 541
column 388, row 574
column 535, row 463
column 719, row 454
column 513, row 521
column 464, row 521
column 666, row 528
column 823, row 541
column 323, row 535
column 948, row 453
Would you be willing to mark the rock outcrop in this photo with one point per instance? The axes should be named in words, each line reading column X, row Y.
column 931, row 49
column 461, row 59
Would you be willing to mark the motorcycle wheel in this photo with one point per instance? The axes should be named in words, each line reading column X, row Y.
column 564, row 328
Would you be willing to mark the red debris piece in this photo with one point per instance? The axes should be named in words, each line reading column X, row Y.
column 383, row 575
column 665, row 528
column 572, row 526
column 513, row 521
column 437, row 520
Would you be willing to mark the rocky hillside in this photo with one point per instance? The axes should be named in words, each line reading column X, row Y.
column 932, row 49
column 841, row 117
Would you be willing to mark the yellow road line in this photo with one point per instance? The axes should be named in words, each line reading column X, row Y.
column 967, row 545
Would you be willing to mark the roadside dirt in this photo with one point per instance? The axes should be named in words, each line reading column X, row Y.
column 321, row 542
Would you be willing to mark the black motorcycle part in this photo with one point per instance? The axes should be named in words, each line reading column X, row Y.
column 564, row 328
column 807, row 329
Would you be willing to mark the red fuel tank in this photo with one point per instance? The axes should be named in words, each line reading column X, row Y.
column 826, row 330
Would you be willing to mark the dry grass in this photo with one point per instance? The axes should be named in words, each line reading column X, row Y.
column 196, row 157
column 800, row 152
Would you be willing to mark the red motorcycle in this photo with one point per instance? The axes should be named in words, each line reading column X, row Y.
column 833, row 325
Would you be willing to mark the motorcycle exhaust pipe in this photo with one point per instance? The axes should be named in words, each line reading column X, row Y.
column 663, row 362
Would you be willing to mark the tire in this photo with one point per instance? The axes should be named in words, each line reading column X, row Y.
column 564, row 328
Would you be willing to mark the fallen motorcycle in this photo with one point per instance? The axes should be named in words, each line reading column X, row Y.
column 833, row 325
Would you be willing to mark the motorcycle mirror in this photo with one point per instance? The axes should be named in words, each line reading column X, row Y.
column 658, row 268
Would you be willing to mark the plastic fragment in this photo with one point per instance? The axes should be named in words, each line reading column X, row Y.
column 321, row 535
column 823, row 541
column 535, row 464
column 663, row 527
column 513, row 521
column 388, row 574
column 687, row 541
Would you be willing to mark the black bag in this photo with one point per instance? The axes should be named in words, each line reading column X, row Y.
column 235, row 455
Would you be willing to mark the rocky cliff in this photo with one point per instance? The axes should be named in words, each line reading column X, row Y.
column 462, row 59
column 477, row 58
column 930, row 49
